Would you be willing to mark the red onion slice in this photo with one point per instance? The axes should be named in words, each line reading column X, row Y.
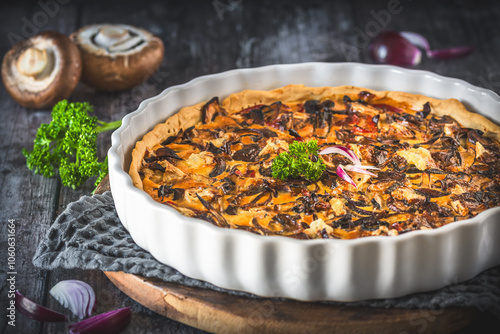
column 359, row 169
column 368, row 167
column 110, row 322
column 35, row 311
column 77, row 296
column 345, row 151
column 344, row 176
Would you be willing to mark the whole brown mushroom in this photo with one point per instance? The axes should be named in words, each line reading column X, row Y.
column 42, row 70
column 117, row 57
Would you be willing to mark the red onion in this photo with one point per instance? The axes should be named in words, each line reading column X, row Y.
column 348, row 153
column 36, row 311
column 110, row 323
column 391, row 48
column 360, row 169
column 344, row 176
column 402, row 48
column 343, row 150
column 76, row 295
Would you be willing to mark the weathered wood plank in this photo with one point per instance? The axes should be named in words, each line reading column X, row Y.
column 29, row 199
column 26, row 198
column 108, row 107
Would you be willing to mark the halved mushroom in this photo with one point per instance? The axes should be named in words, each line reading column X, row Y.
column 116, row 56
column 40, row 71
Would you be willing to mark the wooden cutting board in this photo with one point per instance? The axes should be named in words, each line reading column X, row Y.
column 219, row 312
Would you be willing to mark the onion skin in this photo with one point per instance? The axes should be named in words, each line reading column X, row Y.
column 109, row 323
column 36, row 311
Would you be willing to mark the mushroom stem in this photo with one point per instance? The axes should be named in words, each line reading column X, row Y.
column 33, row 61
column 110, row 35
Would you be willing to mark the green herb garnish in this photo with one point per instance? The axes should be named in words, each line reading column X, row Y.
column 301, row 160
column 69, row 143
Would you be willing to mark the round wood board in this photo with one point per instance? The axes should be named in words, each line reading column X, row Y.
column 219, row 312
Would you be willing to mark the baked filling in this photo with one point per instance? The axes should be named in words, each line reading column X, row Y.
column 214, row 161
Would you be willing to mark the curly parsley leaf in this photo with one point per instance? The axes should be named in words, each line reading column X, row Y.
column 69, row 144
column 301, row 160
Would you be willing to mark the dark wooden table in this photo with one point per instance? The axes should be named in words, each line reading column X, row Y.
column 202, row 37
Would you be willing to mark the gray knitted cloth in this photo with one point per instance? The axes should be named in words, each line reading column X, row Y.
column 89, row 235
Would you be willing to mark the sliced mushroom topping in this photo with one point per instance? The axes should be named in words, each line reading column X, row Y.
column 220, row 166
column 387, row 108
column 390, row 175
column 433, row 139
column 231, row 210
column 371, row 223
column 271, row 111
column 211, row 109
column 166, row 152
column 425, row 111
column 42, row 70
column 262, row 230
column 431, row 193
column 438, row 124
column 221, row 221
column 165, row 190
column 171, row 139
column 248, row 153
column 156, row 166
column 254, row 116
column 433, row 209
column 258, row 132
column 227, row 186
column 116, row 56
column 285, row 223
column 214, row 149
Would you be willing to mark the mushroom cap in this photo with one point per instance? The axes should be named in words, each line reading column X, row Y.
column 116, row 56
column 42, row 70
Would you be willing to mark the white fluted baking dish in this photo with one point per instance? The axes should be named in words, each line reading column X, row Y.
column 274, row 266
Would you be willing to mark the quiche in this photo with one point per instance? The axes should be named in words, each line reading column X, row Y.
column 433, row 162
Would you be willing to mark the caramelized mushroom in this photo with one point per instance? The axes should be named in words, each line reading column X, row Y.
column 220, row 166
column 40, row 71
column 248, row 153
